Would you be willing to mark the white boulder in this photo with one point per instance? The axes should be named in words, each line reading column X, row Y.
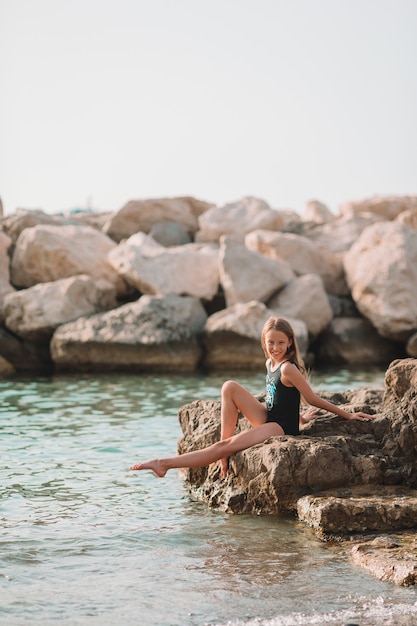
column 304, row 298
column 190, row 269
column 35, row 313
column 381, row 270
column 47, row 253
column 246, row 275
column 304, row 257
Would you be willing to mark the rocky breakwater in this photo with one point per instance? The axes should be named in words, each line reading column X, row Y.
column 177, row 283
column 346, row 479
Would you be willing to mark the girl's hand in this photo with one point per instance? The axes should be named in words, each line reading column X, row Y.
column 362, row 417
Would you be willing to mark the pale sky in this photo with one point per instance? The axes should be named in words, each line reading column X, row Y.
column 104, row 101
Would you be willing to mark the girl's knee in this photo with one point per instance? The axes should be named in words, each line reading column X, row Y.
column 229, row 387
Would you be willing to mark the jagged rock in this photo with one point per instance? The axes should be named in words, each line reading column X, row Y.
column 140, row 215
column 35, row 313
column 304, row 298
column 47, row 253
column 359, row 510
column 388, row 207
column 153, row 334
column 247, row 275
column 191, row 269
column 304, row 257
column 354, row 341
column 381, row 270
column 237, row 219
column 330, row 452
column 231, row 337
column 391, row 558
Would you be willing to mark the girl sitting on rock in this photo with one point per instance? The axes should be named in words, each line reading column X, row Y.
column 280, row 415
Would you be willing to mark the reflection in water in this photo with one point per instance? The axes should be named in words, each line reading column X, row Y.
column 86, row 541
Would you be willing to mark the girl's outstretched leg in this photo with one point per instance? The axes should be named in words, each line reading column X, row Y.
column 219, row 450
column 236, row 398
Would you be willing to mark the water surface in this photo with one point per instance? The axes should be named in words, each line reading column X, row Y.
column 84, row 541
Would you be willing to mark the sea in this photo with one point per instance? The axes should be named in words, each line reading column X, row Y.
column 86, row 542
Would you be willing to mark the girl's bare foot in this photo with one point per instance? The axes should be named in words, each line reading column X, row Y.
column 155, row 465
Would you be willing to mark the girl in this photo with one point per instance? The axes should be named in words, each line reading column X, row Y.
column 280, row 415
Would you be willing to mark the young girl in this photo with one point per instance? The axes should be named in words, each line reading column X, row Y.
column 280, row 415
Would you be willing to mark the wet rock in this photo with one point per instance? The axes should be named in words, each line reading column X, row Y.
column 359, row 509
column 390, row 558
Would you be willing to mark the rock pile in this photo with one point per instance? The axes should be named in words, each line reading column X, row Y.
column 342, row 477
column 177, row 282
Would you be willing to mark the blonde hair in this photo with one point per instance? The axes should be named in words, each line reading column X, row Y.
column 282, row 325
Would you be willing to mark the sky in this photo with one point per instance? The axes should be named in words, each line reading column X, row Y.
column 105, row 101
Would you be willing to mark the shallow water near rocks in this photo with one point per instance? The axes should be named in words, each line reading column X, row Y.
column 86, row 541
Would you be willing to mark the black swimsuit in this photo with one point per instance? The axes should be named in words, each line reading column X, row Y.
column 282, row 402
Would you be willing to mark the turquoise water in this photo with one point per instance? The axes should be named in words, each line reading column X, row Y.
column 84, row 541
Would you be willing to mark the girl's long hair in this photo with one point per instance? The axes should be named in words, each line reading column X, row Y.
column 282, row 325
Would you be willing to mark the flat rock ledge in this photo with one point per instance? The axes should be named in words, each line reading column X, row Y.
column 350, row 481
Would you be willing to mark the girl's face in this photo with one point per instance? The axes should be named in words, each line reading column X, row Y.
column 277, row 344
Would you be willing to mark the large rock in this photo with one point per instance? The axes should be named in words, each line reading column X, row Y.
column 35, row 313
column 304, row 298
column 304, row 257
column 359, row 509
column 232, row 337
column 330, row 453
column 141, row 215
column 47, row 253
column 354, row 341
column 381, row 270
column 247, row 275
column 153, row 334
column 388, row 207
column 340, row 234
column 5, row 286
column 237, row 219
column 14, row 224
column 191, row 269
